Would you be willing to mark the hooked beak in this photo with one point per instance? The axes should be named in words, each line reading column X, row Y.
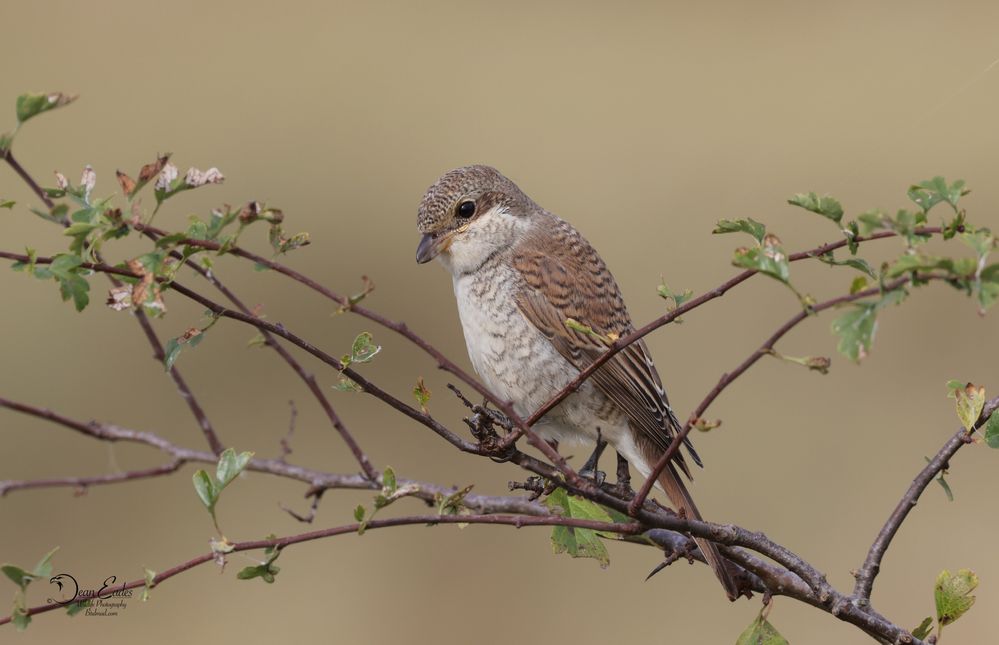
column 430, row 246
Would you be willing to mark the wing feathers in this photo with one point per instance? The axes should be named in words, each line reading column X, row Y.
column 565, row 278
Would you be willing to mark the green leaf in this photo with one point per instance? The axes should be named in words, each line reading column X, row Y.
column 422, row 394
column 859, row 264
column 389, row 485
column 266, row 570
column 953, row 594
column 820, row 364
column 31, row 105
column 76, row 287
column 7, row 203
column 673, row 300
column 171, row 352
column 44, row 567
column 761, row 632
column 929, row 193
column 578, row 542
column 924, row 628
column 363, row 350
column 946, row 487
column 230, row 465
column 872, row 220
column 852, row 232
column 748, row 225
column 825, row 206
column 970, row 401
column 19, row 576
column 76, row 607
column 207, row 491
column 359, row 513
column 64, row 263
column 346, row 384
column 856, row 328
column 452, row 504
column 981, row 241
column 859, row 284
column 919, row 262
column 991, row 430
column 20, row 618
column 150, row 578
column 769, row 258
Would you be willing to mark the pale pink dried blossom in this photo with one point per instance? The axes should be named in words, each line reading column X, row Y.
column 120, row 298
column 167, row 175
column 195, row 177
column 88, row 180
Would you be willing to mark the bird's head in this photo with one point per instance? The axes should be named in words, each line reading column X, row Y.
column 469, row 213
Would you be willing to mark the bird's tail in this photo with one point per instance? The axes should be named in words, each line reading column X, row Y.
column 681, row 500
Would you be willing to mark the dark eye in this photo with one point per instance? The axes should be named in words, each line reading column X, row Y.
column 466, row 209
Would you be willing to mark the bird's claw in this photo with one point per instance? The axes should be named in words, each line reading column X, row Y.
column 536, row 485
column 597, row 476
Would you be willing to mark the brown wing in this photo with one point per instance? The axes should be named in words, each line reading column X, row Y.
column 565, row 278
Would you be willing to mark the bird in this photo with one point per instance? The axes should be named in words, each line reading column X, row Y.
column 537, row 305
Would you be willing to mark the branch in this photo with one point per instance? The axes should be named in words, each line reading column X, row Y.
column 306, row 377
column 763, row 350
column 8, row 156
column 516, row 521
column 317, row 480
column 182, row 388
column 872, row 564
column 82, row 483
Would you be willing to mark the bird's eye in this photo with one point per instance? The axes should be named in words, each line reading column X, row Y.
column 466, row 209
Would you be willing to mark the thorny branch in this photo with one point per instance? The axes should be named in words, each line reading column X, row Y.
column 787, row 574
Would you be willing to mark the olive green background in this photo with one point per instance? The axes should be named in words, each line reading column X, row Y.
column 640, row 123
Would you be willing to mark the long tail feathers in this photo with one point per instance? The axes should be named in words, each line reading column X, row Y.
column 681, row 500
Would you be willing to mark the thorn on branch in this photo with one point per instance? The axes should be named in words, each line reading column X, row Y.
column 316, row 494
column 686, row 551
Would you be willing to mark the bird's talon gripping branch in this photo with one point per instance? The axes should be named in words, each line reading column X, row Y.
column 536, row 485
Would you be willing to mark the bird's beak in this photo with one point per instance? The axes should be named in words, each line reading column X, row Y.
column 430, row 246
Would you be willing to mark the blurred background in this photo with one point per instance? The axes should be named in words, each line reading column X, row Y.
column 642, row 124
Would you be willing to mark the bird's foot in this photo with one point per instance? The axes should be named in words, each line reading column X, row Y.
column 536, row 485
column 594, row 459
column 598, row 477
column 482, row 429
column 622, row 488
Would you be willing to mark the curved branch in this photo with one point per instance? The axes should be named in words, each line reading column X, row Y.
column 516, row 521
column 729, row 377
column 872, row 563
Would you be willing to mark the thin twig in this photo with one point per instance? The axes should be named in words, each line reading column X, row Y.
column 307, row 377
column 317, row 480
column 763, row 350
column 8, row 156
column 872, row 563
